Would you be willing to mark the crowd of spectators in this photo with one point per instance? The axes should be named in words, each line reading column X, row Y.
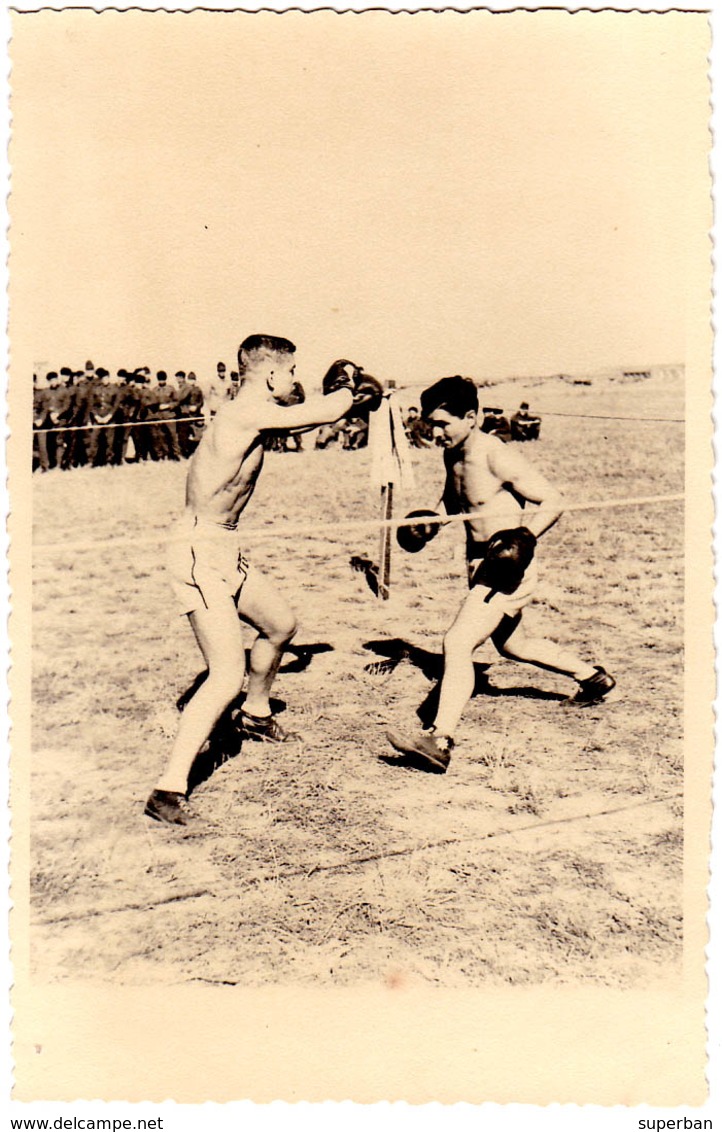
column 92, row 417
column 521, row 425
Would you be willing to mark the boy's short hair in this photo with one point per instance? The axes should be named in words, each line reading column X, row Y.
column 267, row 343
column 457, row 395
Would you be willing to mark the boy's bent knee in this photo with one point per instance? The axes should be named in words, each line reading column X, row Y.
column 507, row 638
column 512, row 648
column 456, row 643
column 282, row 632
column 286, row 631
column 225, row 686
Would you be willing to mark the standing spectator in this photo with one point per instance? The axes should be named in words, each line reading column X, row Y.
column 218, row 392
column 126, row 412
column 53, row 434
column 82, row 391
column 102, row 403
column 62, row 409
column 117, row 434
column 149, row 403
column 145, row 403
column 165, row 437
column 190, row 405
column 41, row 405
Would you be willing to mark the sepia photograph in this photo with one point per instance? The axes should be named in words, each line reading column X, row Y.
column 360, row 457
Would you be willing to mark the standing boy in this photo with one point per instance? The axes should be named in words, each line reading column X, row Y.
column 211, row 576
column 493, row 481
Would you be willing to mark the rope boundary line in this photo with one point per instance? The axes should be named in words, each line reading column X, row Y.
column 348, row 525
column 204, row 420
column 120, row 424
column 358, row 861
column 608, row 417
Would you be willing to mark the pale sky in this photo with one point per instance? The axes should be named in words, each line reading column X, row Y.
column 426, row 194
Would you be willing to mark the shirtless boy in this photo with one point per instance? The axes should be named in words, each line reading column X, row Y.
column 211, row 577
column 485, row 476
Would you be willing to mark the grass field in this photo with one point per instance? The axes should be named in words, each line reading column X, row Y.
column 321, row 862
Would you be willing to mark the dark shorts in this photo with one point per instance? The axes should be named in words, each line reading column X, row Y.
column 507, row 604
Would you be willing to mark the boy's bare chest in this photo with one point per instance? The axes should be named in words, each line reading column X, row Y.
column 474, row 482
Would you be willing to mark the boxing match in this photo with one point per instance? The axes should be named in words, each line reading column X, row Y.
column 220, row 590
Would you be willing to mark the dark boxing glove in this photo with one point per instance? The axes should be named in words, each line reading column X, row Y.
column 507, row 556
column 366, row 390
column 415, row 537
column 367, row 395
column 339, row 375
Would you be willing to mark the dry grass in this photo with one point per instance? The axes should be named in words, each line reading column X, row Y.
column 320, row 862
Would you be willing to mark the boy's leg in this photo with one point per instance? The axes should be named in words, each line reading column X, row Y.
column 261, row 604
column 475, row 622
column 219, row 637
column 594, row 681
column 511, row 641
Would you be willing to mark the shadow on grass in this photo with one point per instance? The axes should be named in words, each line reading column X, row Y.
column 225, row 742
column 408, row 762
column 303, row 655
column 395, row 650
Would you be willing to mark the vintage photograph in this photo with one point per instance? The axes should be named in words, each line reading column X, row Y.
column 354, row 365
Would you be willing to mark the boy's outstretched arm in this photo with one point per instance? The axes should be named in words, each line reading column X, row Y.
column 347, row 391
column 318, row 409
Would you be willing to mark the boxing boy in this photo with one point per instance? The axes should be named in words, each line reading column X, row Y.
column 493, row 481
column 211, row 577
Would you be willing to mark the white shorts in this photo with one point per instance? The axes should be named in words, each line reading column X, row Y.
column 206, row 563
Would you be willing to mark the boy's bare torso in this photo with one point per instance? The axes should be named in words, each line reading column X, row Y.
column 474, row 484
column 224, row 469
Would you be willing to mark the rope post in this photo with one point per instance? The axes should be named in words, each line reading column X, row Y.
column 387, row 507
column 387, row 512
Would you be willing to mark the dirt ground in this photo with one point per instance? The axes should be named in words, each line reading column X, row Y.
column 551, row 851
